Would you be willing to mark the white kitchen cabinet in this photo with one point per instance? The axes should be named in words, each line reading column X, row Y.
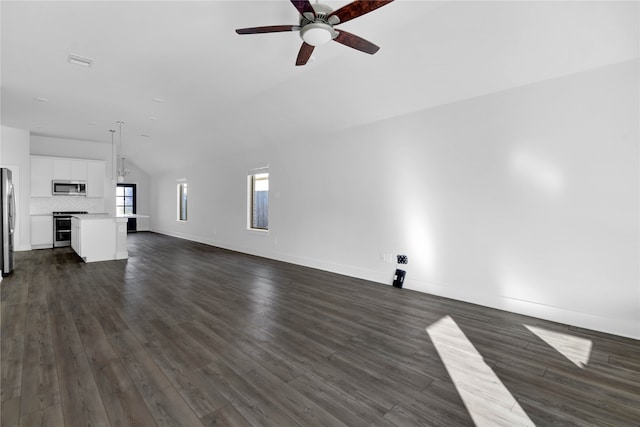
column 78, row 170
column 70, row 169
column 95, row 178
column 46, row 169
column 41, row 176
column 62, row 169
column 41, row 231
column 99, row 237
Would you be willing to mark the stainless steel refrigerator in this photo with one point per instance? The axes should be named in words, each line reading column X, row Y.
column 8, row 221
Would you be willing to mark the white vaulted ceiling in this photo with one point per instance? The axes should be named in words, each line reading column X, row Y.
column 222, row 91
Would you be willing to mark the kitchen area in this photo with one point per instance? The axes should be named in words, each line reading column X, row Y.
column 61, row 187
column 68, row 209
column 37, row 160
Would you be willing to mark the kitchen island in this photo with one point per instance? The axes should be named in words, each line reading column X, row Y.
column 99, row 237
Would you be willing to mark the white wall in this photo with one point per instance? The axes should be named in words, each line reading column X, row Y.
column 0, row 165
column 72, row 148
column 525, row 200
column 59, row 147
column 15, row 156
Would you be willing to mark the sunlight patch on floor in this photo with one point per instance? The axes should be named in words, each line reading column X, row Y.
column 487, row 399
column 576, row 349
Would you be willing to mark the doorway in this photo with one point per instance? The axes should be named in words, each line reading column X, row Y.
column 126, row 204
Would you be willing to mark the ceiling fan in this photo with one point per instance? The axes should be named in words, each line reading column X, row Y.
column 317, row 23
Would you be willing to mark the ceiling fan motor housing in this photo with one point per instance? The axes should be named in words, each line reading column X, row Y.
column 322, row 11
column 317, row 30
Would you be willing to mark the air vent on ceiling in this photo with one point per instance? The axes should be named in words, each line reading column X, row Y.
column 80, row 60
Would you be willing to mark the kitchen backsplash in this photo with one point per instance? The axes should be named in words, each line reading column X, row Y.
column 45, row 205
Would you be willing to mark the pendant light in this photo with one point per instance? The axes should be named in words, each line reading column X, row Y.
column 120, row 168
column 113, row 156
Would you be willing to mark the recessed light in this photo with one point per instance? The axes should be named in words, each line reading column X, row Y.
column 159, row 100
column 80, row 60
column 41, row 99
column 152, row 118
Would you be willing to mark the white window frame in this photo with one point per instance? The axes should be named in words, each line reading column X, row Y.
column 182, row 183
column 250, row 190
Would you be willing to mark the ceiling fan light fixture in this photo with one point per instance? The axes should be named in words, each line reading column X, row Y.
column 317, row 33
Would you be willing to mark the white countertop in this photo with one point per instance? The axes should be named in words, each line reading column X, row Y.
column 97, row 216
column 51, row 214
column 93, row 215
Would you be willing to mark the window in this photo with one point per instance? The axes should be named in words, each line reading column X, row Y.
column 182, row 201
column 125, row 199
column 259, row 199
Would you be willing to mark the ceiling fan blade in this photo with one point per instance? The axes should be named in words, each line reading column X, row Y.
column 268, row 29
column 305, row 53
column 357, row 8
column 303, row 6
column 356, row 42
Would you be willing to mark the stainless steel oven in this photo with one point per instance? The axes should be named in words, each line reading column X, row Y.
column 62, row 228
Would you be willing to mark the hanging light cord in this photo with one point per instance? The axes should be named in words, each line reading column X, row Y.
column 113, row 155
column 120, row 172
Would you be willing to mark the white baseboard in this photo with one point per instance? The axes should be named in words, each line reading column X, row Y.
column 533, row 309
column 345, row 270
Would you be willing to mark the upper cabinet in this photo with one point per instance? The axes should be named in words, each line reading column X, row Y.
column 79, row 170
column 41, row 176
column 61, row 169
column 69, row 169
column 95, row 178
column 46, row 169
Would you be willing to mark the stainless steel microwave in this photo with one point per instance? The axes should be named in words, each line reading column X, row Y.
column 68, row 188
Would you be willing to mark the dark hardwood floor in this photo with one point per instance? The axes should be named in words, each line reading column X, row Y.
column 184, row 334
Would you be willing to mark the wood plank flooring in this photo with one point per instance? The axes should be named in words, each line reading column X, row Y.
column 184, row 334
